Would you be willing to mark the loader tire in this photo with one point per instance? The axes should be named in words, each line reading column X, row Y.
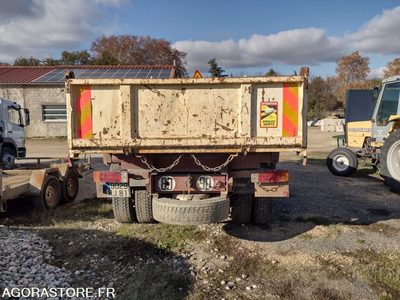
column 342, row 162
column 143, row 206
column 262, row 210
column 195, row 212
column 390, row 161
column 124, row 209
column 241, row 208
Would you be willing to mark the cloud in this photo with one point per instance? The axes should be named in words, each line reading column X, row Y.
column 376, row 73
column 17, row 9
column 303, row 46
column 45, row 27
column 380, row 34
column 292, row 47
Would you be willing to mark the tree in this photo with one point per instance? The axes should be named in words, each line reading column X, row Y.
column 215, row 70
column 26, row 61
column 352, row 71
column 4, row 64
column 271, row 72
column 75, row 58
column 49, row 61
column 352, row 68
column 392, row 68
column 134, row 50
column 321, row 98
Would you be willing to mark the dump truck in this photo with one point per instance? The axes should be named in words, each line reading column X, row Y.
column 189, row 151
column 371, row 132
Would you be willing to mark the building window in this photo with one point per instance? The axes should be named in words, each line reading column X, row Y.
column 54, row 113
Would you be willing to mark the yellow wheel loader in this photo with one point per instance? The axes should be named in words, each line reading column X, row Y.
column 372, row 132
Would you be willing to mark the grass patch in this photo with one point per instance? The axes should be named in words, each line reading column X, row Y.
column 382, row 270
column 165, row 237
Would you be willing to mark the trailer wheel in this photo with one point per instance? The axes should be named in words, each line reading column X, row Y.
column 194, row 212
column 241, row 208
column 143, row 206
column 70, row 186
column 342, row 162
column 262, row 210
column 390, row 160
column 7, row 158
column 50, row 193
column 124, row 210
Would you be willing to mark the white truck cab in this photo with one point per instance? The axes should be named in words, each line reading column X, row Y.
column 13, row 119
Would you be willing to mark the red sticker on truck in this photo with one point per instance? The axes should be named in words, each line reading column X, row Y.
column 269, row 114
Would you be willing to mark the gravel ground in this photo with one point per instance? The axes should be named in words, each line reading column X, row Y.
column 25, row 261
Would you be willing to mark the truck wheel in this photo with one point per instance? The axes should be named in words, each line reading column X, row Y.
column 262, row 210
column 70, row 186
column 143, row 206
column 390, row 160
column 7, row 158
column 241, row 208
column 342, row 162
column 50, row 193
column 124, row 210
column 194, row 212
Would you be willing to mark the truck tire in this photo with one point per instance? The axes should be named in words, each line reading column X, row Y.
column 262, row 210
column 194, row 212
column 241, row 208
column 390, row 160
column 124, row 209
column 7, row 156
column 342, row 162
column 143, row 206
column 50, row 194
column 70, row 186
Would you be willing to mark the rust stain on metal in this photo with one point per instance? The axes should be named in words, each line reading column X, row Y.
column 224, row 127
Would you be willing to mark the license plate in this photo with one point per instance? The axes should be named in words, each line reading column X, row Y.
column 118, row 189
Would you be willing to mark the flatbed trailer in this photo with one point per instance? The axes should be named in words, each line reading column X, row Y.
column 49, row 184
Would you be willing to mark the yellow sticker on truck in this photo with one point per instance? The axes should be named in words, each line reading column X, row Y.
column 269, row 114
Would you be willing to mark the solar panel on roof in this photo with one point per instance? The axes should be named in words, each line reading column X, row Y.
column 57, row 75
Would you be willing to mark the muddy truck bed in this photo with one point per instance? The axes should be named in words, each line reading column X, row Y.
column 209, row 115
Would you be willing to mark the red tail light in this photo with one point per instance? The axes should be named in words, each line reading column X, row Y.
column 110, row 176
column 271, row 176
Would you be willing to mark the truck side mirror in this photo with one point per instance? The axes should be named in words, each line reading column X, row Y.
column 27, row 117
column 375, row 94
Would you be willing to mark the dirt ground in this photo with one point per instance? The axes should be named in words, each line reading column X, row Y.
column 334, row 238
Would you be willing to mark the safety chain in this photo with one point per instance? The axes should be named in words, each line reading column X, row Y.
column 215, row 169
column 274, row 189
column 160, row 170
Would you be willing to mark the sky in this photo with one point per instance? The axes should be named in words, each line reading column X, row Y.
column 247, row 37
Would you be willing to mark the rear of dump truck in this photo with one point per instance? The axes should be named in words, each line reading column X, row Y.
column 189, row 151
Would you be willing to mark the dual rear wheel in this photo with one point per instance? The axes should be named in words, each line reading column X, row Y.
column 246, row 208
column 137, row 208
